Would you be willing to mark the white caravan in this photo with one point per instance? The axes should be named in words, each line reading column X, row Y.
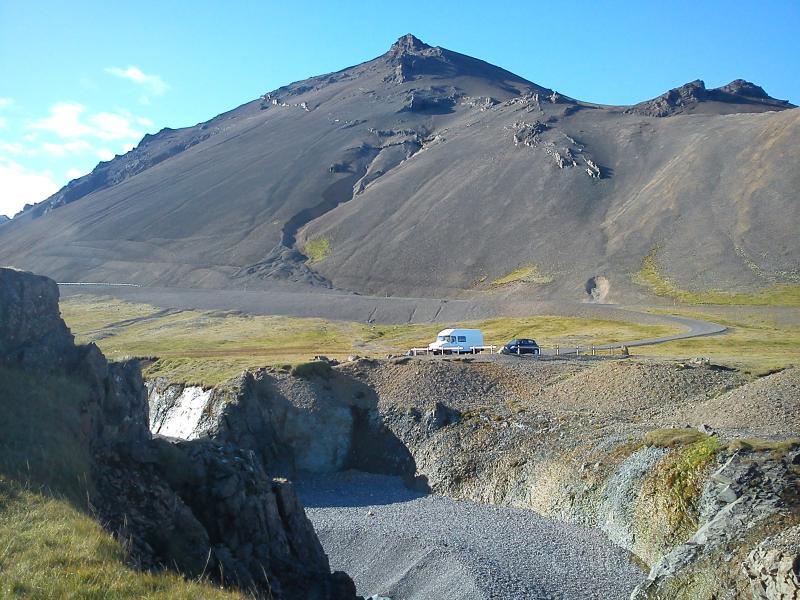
column 456, row 340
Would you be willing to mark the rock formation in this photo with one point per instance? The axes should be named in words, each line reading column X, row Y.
column 566, row 439
column 204, row 507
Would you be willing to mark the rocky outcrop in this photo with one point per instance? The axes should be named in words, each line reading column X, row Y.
column 564, row 150
column 688, row 96
column 774, row 567
column 567, row 439
column 206, row 507
column 737, row 498
column 32, row 333
column 314, row 421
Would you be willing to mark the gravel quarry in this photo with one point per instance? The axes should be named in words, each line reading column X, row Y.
column 405, row 545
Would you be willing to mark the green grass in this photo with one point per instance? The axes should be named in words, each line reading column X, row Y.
column 779, row 294
column 207, row 348
column 50, row 546
column 760, row 340
column 676, row 484
column 670, row 438
column 778, row 448
column 529, row 273
column 317, row 249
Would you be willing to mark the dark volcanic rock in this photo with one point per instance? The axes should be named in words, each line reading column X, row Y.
column 687, row 97
column 203, row 506
column 234, row 201
column 32, row 333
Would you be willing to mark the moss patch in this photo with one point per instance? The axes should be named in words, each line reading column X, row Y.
column 778, row 448
column 667, row 511
column 317, row 249
column 312, row 369
column 779, row 294
column 529, row 273
column 670, row 438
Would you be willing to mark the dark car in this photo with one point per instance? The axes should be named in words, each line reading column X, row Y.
column 520, row 347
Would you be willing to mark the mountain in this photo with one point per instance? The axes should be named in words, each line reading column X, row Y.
column 426, row 172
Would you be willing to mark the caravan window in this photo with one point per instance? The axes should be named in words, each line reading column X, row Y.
column 462, row 338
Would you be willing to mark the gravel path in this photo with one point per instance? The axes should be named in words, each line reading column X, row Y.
column 405, row 545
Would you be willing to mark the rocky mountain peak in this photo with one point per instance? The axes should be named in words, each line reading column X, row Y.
column 687, row 97
column 408, row 44
column 740, row 87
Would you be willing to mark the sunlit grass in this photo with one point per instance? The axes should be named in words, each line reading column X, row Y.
column 209, row 347
column 755, row 341
column 50, row 545
column 529, row 273
column 317, row 249
column 779, row 294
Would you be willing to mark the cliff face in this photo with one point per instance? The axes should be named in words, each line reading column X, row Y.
column 640, row 450
column 204, row 507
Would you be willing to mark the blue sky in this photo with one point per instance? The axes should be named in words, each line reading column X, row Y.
column 81, row 81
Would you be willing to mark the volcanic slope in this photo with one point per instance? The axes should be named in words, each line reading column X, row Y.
column 425, row 172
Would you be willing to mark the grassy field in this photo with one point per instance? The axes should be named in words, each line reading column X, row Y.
column 779, row 294
column 529, row 273
column 759, row 340
column 50, row 546
column 209, row 347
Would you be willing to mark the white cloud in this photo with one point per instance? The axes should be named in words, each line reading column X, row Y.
column 144, row 122
column 6, row 102
column 74, row 174
column 66, row 121
column 110, row 126
column 153, row 83
column 22, row 186
column 105, row 154
column 74, row 147
column 13, row 148
column 128, row 147
column 3, row 122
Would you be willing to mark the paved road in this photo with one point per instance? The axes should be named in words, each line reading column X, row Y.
column 354, row 307
column 695, row 328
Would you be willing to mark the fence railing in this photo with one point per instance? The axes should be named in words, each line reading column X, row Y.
column 556, row 350
column 455, row 350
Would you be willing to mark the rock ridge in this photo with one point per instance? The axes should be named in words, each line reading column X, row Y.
column 206, row 507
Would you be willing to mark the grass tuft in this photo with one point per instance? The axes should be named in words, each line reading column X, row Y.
column 671, row 438
column 777, row 448
column 317, row 368
column 779, row 294
column 529, row 273
column 317, row 250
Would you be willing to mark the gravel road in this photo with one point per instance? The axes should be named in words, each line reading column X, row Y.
column 405, row 545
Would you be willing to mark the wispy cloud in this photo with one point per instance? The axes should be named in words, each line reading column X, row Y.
column 67, row 148
column 22, row 186
column 153, row 83
column 67, row 122
column 4, row 103
column 105, row 154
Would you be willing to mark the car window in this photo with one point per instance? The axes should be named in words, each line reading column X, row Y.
column 462, row 338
